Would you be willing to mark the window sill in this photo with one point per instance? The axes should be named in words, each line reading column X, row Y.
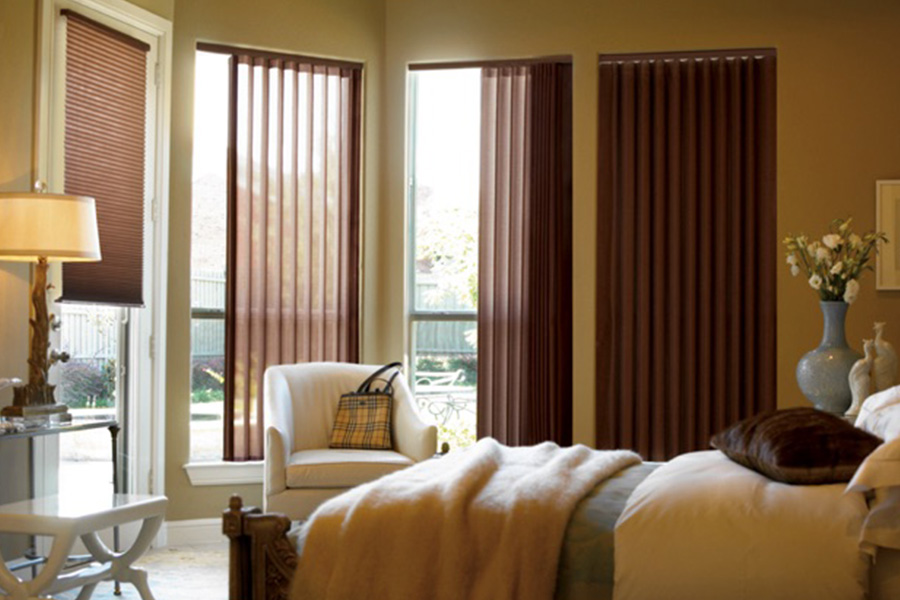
column 225, row 473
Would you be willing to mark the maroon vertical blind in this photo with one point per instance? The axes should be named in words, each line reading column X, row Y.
column 686, row 247
column 105, row 116
column 293, row 268
column 525, row 254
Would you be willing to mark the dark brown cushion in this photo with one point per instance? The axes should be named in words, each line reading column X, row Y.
column 797, row 445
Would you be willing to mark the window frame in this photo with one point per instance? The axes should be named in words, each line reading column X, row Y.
column 414, row 314
column 147, row 336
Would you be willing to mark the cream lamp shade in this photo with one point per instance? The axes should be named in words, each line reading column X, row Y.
column 57, row 227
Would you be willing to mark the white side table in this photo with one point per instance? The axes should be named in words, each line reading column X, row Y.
column 66, row 519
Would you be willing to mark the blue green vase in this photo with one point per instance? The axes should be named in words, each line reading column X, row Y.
column 822, row 373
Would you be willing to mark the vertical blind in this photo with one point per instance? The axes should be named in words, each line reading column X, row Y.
column 525, row 255
column 293, row 264
column 686, row 247
column 105, row 120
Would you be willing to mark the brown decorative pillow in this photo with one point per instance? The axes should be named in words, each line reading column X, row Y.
column 797, row 445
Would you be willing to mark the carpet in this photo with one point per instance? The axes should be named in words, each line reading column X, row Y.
column 189, row 573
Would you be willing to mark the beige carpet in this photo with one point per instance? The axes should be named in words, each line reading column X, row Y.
column 189, row 573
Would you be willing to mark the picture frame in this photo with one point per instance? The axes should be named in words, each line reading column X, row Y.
column 887, row 219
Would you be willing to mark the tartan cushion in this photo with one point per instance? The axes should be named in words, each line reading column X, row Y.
column 363, row 422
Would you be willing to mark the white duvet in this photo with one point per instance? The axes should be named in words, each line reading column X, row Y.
column 702, row 527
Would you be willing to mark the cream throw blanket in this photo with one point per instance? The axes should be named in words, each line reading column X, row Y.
column 485, row 523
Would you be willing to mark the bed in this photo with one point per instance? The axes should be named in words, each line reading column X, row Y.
column 264, row 547
column 699, row 526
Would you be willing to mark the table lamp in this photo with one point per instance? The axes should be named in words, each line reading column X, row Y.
column 40, row 228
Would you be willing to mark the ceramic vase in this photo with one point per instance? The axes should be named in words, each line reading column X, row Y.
column 822, row 373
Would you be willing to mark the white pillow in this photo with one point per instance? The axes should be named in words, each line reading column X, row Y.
column 880, row 474
column 880, row 414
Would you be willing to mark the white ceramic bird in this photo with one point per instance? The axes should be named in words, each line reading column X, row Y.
column 861, row 378
column 884, row 371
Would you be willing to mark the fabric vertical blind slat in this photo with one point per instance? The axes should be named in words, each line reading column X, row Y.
column 525, row 254
column 293, row 265
column 686, row 247
column 104, row 153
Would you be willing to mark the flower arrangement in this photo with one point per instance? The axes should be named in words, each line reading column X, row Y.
column 833, row 265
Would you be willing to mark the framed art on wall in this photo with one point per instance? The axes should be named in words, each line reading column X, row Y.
column 887, row 215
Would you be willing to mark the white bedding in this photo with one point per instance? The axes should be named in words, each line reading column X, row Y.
column 702, row 527
column 484, row 523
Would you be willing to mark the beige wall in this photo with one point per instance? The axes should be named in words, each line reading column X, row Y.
column 838, row 125
column 16, row 81
column 350, row 29
column 838, row 133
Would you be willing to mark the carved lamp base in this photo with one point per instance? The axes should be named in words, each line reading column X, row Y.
column 34, row 401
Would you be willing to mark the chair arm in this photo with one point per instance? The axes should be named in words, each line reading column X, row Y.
column 274, row 479
column 412, row 436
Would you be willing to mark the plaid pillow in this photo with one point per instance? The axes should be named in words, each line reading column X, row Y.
column 363, row 422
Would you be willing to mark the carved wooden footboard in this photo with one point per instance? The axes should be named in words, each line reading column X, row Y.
column 262, row 558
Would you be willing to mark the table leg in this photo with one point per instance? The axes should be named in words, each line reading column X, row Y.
column 86, row 592
column 114, row 435
column 9, row 583
column 121, row 569
column 56, row 561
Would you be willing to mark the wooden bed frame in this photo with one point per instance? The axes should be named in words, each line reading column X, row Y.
column 261, row 558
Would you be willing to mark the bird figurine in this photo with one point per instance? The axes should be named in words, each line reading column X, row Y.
column 861, row 378
column 885, row 369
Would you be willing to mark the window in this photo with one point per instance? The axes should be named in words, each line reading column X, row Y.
column 445, row 130
column 102, row 304
column 491, row 249
column 209, row 240
column 275, row 259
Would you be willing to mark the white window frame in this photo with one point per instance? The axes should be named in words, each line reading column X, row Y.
column 147, row 379
column 413, row 313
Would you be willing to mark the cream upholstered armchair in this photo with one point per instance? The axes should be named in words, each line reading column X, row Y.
column 301, row 401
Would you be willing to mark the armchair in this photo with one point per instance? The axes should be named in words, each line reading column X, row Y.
column 300, row 404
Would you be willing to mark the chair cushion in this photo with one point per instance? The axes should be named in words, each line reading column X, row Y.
column 341, row 468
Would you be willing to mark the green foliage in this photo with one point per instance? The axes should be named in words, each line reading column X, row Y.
column 207, row 395
column 448, row 363
column 448, row 252
column 430, row 363
column 87, row 383
column 207, row 380
column 469, row 364
column 458, row 437
column 207, row 373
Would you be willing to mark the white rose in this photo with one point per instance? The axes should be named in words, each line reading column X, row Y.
column 837, row 268
column 811, row 249
column 855, row 240
column 822, row 255
column 792, row 259
column 851, row 291
column 795, row 270
column 832, row 240
column 815, row 282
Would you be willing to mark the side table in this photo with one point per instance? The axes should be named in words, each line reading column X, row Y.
column 66, row 518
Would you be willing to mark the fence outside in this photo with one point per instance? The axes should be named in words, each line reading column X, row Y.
column 89, row 334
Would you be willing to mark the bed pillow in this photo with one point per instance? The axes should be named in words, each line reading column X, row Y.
column 798, row 445
column 879, row 476
column 880, row 414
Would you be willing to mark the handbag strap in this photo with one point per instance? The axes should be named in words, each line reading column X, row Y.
column 365, row 386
